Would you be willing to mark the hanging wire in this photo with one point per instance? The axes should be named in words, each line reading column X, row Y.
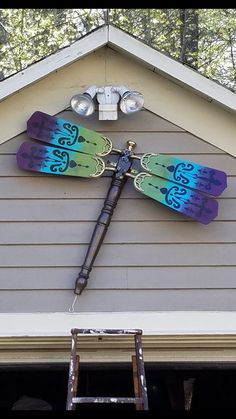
column 72, row 307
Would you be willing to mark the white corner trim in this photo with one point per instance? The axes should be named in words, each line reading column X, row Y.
column 170, row 67
column 151, row 322
column 54, row 62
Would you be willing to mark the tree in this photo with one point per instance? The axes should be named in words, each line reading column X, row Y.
column 204, row 39
column 32, row 34
column 189, row 34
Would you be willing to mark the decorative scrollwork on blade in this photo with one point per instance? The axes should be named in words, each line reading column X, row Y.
column 100, row 167
column 51, row 160
column 193, row 175
column 63, row 133
column 46, row 160
column 107, row 147
column 60, row 162
column 71, row 135
column 180, row 172
column 177, row 197
column 174, row 196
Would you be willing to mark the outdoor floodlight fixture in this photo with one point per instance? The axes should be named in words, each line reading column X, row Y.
column 108, row 97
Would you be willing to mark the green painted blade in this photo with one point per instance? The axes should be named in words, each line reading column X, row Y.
column 57, row 161
column 62, row 133
column 193, row 175
column 177, row 197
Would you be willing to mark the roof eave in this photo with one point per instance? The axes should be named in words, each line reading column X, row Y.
column 172, row 69
column 54, row 62
column 125, row 43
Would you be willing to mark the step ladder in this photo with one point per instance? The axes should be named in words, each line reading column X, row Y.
column 140, row 390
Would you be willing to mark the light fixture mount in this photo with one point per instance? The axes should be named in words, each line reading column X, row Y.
column 108, row 98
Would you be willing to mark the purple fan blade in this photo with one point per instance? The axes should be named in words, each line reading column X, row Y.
column 62, row 133
column 205, row 179
column 57, row 161
column 177, row 197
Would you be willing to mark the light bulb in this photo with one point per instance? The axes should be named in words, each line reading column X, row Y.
column 82, row 104
column 131, row 102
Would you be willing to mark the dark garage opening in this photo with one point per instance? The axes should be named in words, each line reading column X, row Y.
column 214, row 385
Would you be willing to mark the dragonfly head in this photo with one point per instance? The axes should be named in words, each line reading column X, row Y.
column 131, row 145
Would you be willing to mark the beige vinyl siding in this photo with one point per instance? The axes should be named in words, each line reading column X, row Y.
column 152, row 257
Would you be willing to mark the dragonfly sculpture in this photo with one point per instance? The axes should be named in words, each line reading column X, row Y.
column 73, row 150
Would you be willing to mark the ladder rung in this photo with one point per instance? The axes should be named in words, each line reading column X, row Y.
column 140, row 398
column 136, row 400
column 106, row 331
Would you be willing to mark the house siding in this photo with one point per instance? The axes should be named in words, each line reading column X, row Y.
column 152, row 258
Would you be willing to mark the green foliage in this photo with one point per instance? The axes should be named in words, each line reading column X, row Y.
column 217, row 45
column 32, row 34
column 204, row 39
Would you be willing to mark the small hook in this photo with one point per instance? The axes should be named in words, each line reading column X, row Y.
column 72, row 307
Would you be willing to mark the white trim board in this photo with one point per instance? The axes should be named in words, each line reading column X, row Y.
column 151, row 322
column 175, row 104
column 54, row 84
column 118, row 39
column 53, row 63
column 171, row 68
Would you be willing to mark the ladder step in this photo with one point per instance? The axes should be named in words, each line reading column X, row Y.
column 135, row 400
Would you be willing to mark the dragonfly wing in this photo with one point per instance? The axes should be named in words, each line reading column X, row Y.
column 57, row 161
column 186, row 173
column 63, row 133
column 177, row 197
